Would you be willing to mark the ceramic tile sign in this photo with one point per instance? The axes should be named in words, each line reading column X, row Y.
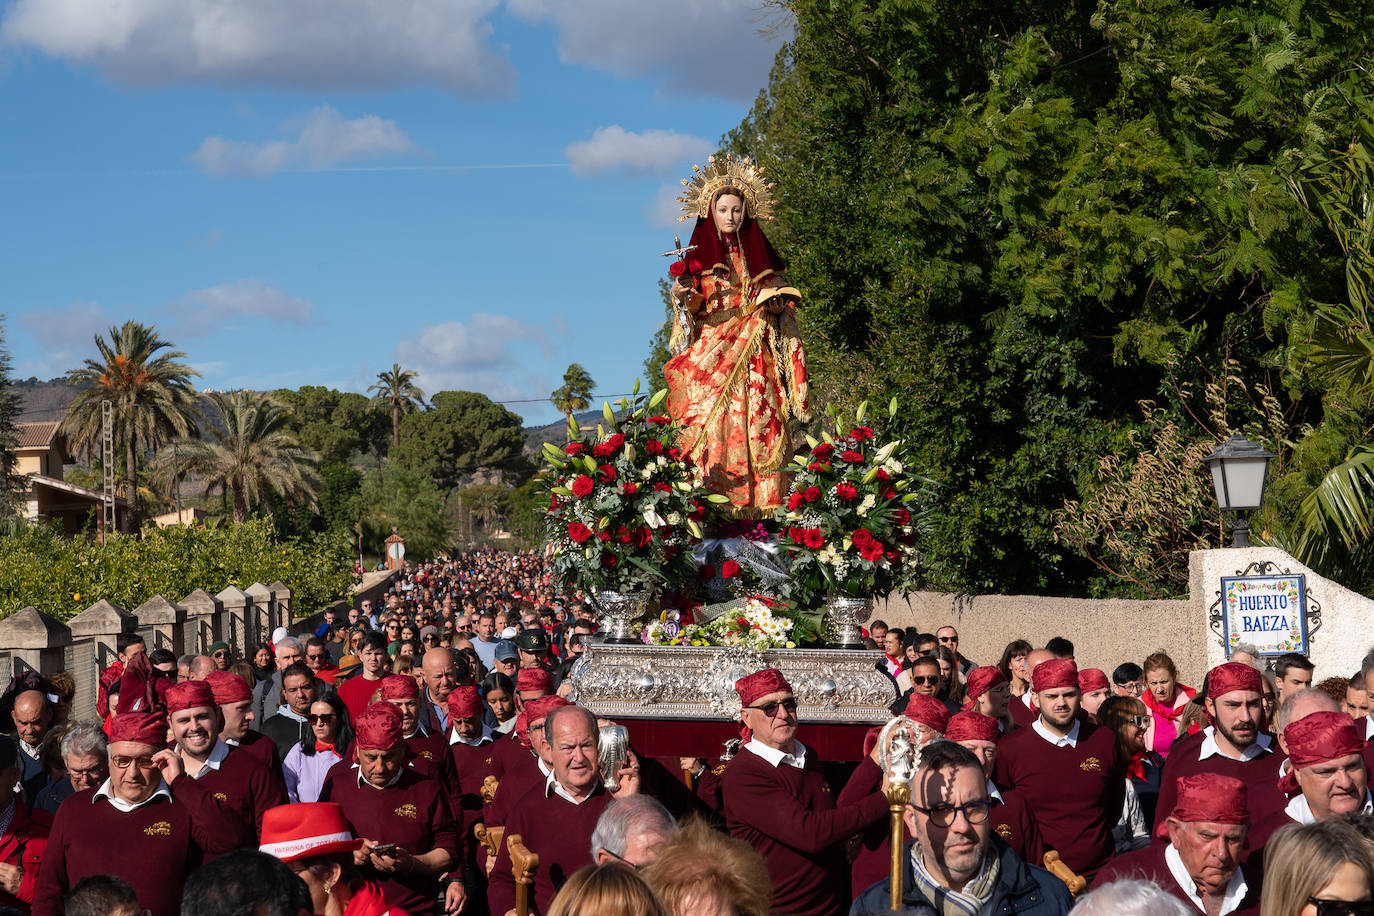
column 1267, row 612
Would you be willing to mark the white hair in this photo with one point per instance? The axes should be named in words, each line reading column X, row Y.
column 629, row 816
column 1130, row 897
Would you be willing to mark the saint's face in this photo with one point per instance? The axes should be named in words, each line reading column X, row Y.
column 728, row 212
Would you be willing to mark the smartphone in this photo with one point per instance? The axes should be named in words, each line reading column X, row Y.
column 385, row 849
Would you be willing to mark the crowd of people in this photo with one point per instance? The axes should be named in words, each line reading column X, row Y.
column 403, row 758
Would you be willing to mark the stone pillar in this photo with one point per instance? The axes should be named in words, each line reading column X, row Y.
column 284, row 607
column 203, row 612
column 101, row 623
column 168, row 623
column 34, row 641
column 236, row 619
column 264, row 621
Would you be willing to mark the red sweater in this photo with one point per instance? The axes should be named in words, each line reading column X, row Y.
column 248, row 788
column 153, row 847
column 23, row 845
column 1260, row 775
column 790, row 817
column 430, row 755
column 1013, row 822
column 471, row 766
column 1075, row 793
column 412, row 813
column 1148, row 863
column 559, row 831
column 262, row 747
column 1022, row 715
column 356, row 693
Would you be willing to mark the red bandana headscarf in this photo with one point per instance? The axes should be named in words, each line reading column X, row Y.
column 533, row 679
column 532, row 712
column 378, row 728
column 1224, row 679
column 972, row 726
column 464, row 702
column 1212, row 798
column 228, row 687
column 929, row 711
column 1090, row 679
column 400, row 687
column 757, row 685
column 1054, row 674
column 141, row 727
column 189, row 695
column 980, row 681
column 1318, row 738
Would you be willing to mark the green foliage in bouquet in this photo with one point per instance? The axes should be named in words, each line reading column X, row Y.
column 625, row 508
column 853, row 517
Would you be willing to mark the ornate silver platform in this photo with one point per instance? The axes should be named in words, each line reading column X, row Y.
column 698, row 682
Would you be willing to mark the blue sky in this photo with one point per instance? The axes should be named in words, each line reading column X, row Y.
column 305, row 191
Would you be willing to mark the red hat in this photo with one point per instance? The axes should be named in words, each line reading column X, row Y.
column 1092, row 679
column 871, row 739
column 533, row 679
column 292, row 832
column 189, row 695
column 378, row 728
column 981, row 680
column 929, row 711
column 761, row 684
column 1212, row 797
column 140, row 727
column 228, row 687
column 142, row 688
column 400, row 687
column 536, row 709
column 1224, row 679
column 1055, row 674
column 1317, row 738
column 464, row 702
column 972, row 726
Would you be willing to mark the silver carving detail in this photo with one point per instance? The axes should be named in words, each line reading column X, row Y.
column 612, row 747
column 619, row 613
column 843, row 618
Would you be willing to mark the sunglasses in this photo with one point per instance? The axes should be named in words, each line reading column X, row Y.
column 949, row 639
column 323, row 718
column 1139, row 721
column 316, row 656
column 429, row 639
column 1342, row 907
column 771, row 709
column 220, row 653
column 926, row 679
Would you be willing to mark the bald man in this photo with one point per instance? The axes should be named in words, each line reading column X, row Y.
column 1022, row 712
column 201, row 666
column 441, row 674
column 32, row 717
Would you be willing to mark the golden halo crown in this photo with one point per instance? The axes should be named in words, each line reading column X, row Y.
column 722, row 172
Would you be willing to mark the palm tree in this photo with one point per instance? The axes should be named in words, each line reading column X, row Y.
column 575, row 393
column 151, row 394
column 251, row 453
column 397, row 388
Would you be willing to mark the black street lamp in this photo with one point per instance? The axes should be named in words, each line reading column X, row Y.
column 1238, row 468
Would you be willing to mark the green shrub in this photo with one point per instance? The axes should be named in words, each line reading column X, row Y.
column 63, row 577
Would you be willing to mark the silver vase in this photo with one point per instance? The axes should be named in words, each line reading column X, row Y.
column 844, row 615
column 618, row 614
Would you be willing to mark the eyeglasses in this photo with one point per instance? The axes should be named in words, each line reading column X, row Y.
column 316, row 656
column 1135, row 688
column 621, row 859
column 1139, row 721
column 143, row 762
column 88, row 773
column 323, row 718
column 1342, row 907
column 429, row 639
column 928, row 679
column 771, row 709
column 949, row 639
column 975, row 812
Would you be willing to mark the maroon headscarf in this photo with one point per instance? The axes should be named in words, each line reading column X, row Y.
column 1317, row 738
column 972, row 726
column 1054, row 674
column 760, row 257
column 980, row 681
column 142, row 688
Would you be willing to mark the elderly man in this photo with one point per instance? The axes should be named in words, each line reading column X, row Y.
column 1201, row 862
column 954, row 862
column 441, row 674
column 85, row 752
column 557, row 820
column 408, row 832
column 287, row 652
column 133, row 826
column 235, row 702
column 949, row 638
column 32, row 717
column 776, row 800
column 318, row 659
column 1011, row 816
column 1235, row 744
column 1326, row 770
column 1070, row 772
column 23, row 835
column 632, row 831
column 288, row 724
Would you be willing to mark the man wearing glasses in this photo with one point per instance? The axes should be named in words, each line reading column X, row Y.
column 1236, row 744
column 949, row 638
column 777, row 800
column 955, row 863
column 219, row 654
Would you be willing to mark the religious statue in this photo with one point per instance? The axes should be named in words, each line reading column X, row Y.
column 739, row 372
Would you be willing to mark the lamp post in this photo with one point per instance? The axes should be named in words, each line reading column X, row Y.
column 1238, row 469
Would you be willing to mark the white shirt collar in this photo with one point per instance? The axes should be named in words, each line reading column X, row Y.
column 1210, row 748
column 365, row 782
column 993, row 793
column 475, row 742
column 1299, row 810
column 1025, row 699
column 1369, row 726
column 507, row 726
column 29, row 750
column 217, row 755
column 1230, row 899
column 553, row 787
column 1069, row 740
column 776, row 757
column 120, row 804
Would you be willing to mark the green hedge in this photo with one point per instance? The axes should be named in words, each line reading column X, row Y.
column 63, row 577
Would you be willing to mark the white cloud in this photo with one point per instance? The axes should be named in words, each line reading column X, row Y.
column 202, row 311
column 322, row 138
column 307, row 45
column 474, row 356
column 649, row 153
column 720, row 48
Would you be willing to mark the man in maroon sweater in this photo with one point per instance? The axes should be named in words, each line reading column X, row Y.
column 1235, row 744
column 235, row 701
column 776, row 800
column 1327, row 771
column 408, row 832
column 1068, row 771
column 556, row 819
column 472, row 751
column 429, row 751
column 1010, row 816
column 1200, row 863
column 133, row 826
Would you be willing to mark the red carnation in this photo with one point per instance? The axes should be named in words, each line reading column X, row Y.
column 604, row 535
column 642, row 536
column 629, row 488
column 706, row 571
column 881, row 475
column 582, row 485
column 653, row 447
column 660, row 421
column 579, row 532
column 794, row 502
column 622, row 534
column 729, row 569
column 860, row 433
column 574, row 448
column 677, row 268
column 852, row 456
column 889, row 493
column 795, row 534
column 606, row 473
column 612, row 445
column 661, row 487
column 812, row 494
column 675, row 453
column 554, row 502
column 822, row 450
column 872, row 552
column 608, row 560
column 818, row 466
column 846, row 490
column 892, row 556
column 813, row 538
column 862, row 538
column 901, row 516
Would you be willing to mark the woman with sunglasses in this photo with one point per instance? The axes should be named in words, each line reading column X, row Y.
column 1128, row 718
column 306, row 764
column 1321, row 869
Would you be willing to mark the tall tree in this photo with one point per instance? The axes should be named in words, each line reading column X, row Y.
column 250, row 455
column 658, row 344
column 11, row 488
column 575, row 393
column 397, row 387
column 464, row 431
column 150, row 392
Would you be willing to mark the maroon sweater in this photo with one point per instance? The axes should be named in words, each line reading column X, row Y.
column 1074, row 793
column 522, row 775
column 1148, row 863
column 874, row 859
column 247, row 788
column 1012, row 821
column 1021, row 714
column 1260, row 775
column 471, row 766
column 430, row 755
column 559, row 831
column 264, row 748
column 153, row 847
column 412, row 813
column 790, row 817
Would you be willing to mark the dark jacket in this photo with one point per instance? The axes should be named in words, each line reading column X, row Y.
column 1022, row 890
